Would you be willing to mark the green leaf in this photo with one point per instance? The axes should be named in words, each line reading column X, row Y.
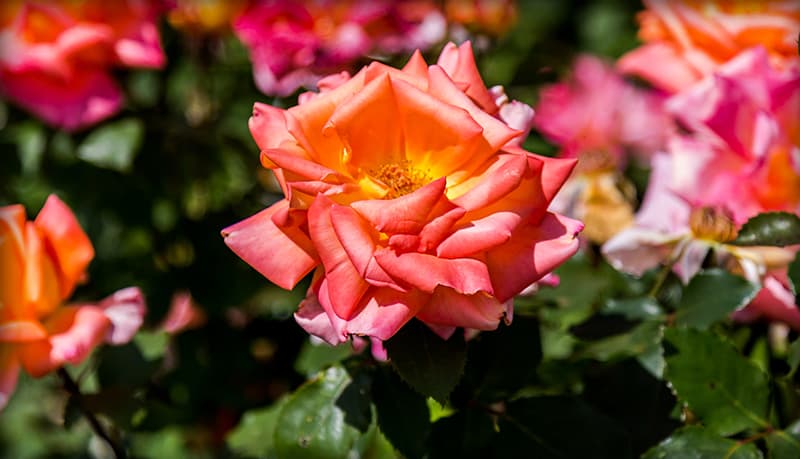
column 314, row 357
column 429, row 364
column 640, row 308
column 355, row 401
column 793, row 357
column 403, row 415
column 495, row 370
column 31, row 141
column 113, row 145
column 770, row 228
column 642, row 339
column 253, row 437
column 794, row 278
column 724, row 389
column 785, row 444
column 710, row 296
column 467, row 434
column 311, row 424
column 152, row 344
column 559, row 427
column 696, row 442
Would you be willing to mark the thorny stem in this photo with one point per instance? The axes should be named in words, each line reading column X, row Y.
column 72, row 388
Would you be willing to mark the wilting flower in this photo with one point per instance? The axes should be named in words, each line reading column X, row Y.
column 407, row 196
column 602, row 120
column 56, row 57
column 293, row 43
column 686, row 40
column 491, row 17
column 41, row 262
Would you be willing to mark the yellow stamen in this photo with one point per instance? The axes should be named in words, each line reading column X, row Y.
column 712, row 224
column 400, row 178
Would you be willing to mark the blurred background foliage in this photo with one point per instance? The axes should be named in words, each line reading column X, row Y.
column 154, row 186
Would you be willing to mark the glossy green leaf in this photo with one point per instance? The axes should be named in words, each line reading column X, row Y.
column 403, row 415
column 113, row 145
column 771, row 228
column 429, row 364
column 559, row 427
column 642, row 339
column 711, row 296
column 695, row 442
column 640, row 308
column 794, row 278
column 311, row 424
column 253, row 436
column 785, row 443
column 314, row 357
column 724, row 389
column 503, row 361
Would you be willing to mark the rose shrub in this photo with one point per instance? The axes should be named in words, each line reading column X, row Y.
column 407, row 197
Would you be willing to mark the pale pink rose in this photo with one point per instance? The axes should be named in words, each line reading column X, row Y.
column 56, row 56
column 406, row 199
column 41, row 262
column 293, row 43
column 686, row 40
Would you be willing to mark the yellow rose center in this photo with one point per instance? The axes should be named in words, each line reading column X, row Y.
column 712, row 224
column 400, row 178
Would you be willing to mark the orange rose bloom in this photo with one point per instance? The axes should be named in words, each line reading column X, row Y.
column 686, row 40
column 408, row 196
column 41, row 262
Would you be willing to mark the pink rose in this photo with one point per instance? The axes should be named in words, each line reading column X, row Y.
column 56, row 56
column 686, row 40
column 293, row 43
column 406, row 199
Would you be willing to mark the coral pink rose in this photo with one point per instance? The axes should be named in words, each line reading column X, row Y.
column 56, row 56
column 41, row 262
column 293, row 43
column 686, row 40
column 406, row 199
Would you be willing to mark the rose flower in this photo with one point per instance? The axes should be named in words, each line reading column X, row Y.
column 407, row 196
column 56, row 57
column 41, row 262
column 686, row 40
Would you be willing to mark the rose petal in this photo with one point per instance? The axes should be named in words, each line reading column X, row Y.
column 125, row 309
column 426, row 272
column 448, row 307
column 282, row 255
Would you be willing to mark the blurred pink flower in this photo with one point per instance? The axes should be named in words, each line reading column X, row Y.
column 596, row 110
column 183, row 314
column 744, row 138
column 601, row 119
column 56, row 56
column 293, row 43
column 686, row 40
column 41, row 262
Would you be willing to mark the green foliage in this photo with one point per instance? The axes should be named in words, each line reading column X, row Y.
column 113, row 145
column 700, row 310
column 429, row 364
column 725, row 390
column 698, row 443
column 771, row 228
